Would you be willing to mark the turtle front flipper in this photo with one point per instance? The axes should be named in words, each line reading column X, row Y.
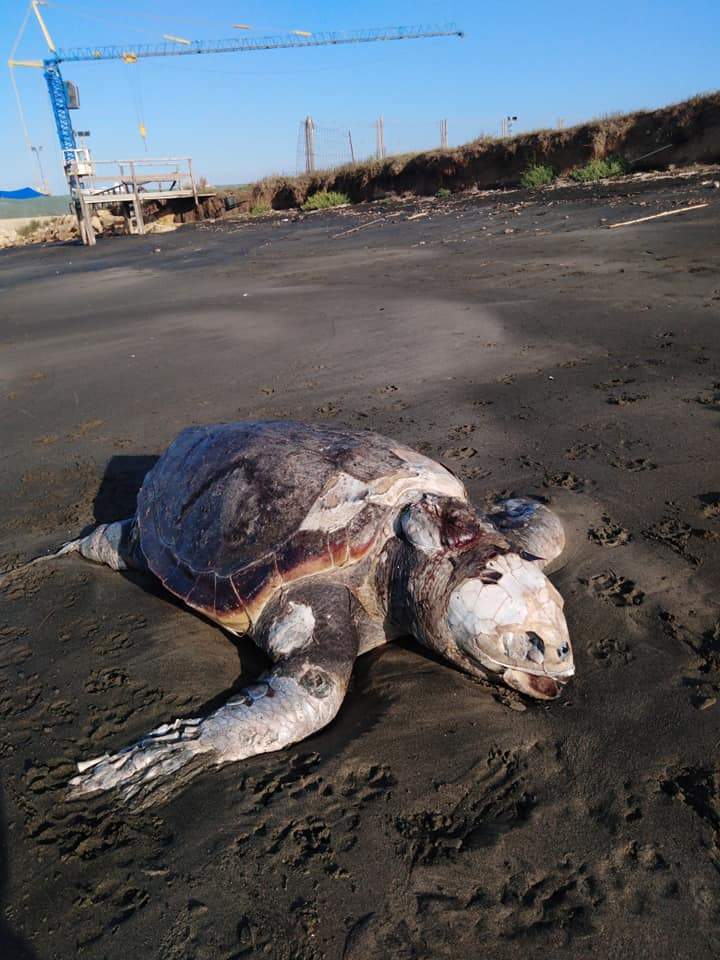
column 532, row 528
column 310, row 633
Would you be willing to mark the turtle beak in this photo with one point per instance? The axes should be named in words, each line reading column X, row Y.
column 541, row 687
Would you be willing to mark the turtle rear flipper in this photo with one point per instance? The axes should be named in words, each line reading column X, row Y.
column 310, row 628
column 72, row 546
column 113, row 544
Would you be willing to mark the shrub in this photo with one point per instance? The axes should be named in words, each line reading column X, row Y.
column 259, row 209
column 537, row 175
column 443, row 193
column 599, row 169
column 29, row 229
column 325, row 199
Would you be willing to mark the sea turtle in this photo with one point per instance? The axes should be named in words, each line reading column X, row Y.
column 322, row 543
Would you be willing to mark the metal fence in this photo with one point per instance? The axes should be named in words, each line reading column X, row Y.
column 321, row 147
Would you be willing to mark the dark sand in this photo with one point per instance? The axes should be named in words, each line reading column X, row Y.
column 431, row 819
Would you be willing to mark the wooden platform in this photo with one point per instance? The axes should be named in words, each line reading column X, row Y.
column 128, row 183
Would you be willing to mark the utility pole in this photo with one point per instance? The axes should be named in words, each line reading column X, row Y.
column 380, row 138
column 507, row 125
column 352, row 151
column 309, row 144
column 443, row 135
column 43, row 182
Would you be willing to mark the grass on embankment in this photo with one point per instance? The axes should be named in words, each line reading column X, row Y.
column 324, row 200
column 599, row 169
column 537, row 175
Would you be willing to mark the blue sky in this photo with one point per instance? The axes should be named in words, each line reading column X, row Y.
column 237, row 115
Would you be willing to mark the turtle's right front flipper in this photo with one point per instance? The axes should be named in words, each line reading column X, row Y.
column 310, row 632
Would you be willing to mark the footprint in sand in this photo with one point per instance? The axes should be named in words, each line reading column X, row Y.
column 634, row 466
column 609, row 533
column 707, row 398
column 711, row 505
column 84, row 428
column 464, row 430
column 566, row 481
column 698, row 787
column 461, row 453
column 612, row 384
column 613, row 589
column 609, row 651
column 621, row 400
column 665, row 339
column 581, row 451
column 676, row 534
column 474, row 473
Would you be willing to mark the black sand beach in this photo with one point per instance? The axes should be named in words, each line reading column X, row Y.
column 531, row 349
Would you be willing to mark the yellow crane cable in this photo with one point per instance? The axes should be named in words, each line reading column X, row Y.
column 136, row 92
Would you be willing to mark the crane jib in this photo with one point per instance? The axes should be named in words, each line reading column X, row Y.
column 133, row 52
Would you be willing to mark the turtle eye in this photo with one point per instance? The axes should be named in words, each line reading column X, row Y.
column 490, row 576
column 536, row 647
column 563, row 650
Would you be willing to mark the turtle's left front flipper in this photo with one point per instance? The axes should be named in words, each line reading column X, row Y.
column 310, row 634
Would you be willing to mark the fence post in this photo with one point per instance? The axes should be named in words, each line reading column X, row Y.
column 380, row 137
column 443, row 134
column 309, row 144
column 137, row 203
column 352, row 152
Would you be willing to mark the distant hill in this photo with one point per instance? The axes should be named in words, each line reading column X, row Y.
column 39, row 207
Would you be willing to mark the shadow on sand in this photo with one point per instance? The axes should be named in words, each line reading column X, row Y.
column 12, row 946
column 116, row 498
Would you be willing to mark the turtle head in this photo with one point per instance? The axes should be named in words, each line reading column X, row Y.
column 508, row 619
column 485, row 602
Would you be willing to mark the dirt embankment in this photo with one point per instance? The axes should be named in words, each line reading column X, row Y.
column 680, row 134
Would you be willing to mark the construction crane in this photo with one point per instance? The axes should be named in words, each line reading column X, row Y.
column 63, row 94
